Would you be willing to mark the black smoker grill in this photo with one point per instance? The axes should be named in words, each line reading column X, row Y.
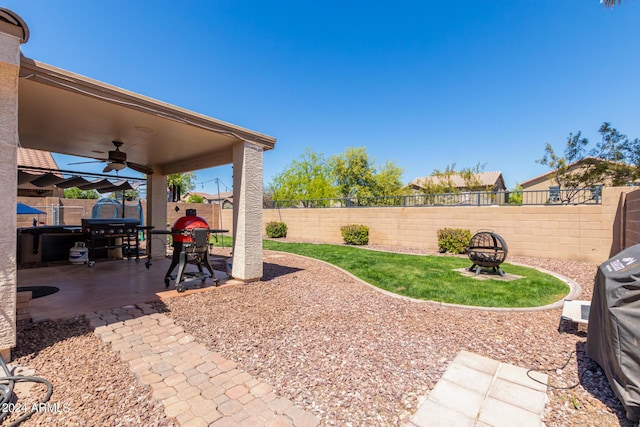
column 487, row 249
column 190, row 241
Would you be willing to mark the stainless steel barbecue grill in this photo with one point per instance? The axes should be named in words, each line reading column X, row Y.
column 112, row 233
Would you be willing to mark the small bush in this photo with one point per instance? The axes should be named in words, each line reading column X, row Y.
column 453, row 240
column 276, row 229
column 516, row 196
column 355, row 234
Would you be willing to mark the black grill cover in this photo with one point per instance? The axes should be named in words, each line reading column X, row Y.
column 613, row 334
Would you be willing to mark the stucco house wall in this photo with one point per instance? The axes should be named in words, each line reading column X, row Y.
column 9, row 69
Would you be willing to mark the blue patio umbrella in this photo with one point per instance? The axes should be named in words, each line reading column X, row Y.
column 28, row 210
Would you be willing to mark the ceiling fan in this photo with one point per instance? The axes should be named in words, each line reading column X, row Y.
column 117, row 160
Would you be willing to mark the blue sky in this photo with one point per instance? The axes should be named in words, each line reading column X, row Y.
column 424, row 84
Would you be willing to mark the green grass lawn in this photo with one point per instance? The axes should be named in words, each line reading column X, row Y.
column 433, row 277
column 224, row 240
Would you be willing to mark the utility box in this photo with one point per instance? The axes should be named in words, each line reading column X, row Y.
column 613, row 333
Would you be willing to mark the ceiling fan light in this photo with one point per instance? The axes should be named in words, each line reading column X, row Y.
column 118, row 166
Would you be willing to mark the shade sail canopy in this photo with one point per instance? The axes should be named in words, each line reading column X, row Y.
column 27, row 210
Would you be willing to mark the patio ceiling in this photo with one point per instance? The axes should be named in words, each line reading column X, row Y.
column 67, row 113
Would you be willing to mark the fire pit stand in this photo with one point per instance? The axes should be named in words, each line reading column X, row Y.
column 487, row 249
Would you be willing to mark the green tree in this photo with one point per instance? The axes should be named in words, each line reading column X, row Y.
column 614, row 160
column 195, row 198
column 76, row 193
column 354, row 173
column 516, row 195
column 267, row 197
column 129, row 195
column 186, row 181
column 389, row 184
column 308, row 178
column 442, row 181
column 471, row 178
column 357, row 177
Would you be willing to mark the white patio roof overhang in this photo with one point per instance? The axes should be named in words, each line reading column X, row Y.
column 63, row 112
column 47, row 108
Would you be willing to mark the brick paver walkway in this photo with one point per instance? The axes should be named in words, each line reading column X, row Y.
column 196, row 386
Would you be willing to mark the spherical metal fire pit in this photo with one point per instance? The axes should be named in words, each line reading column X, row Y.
column 487, row 249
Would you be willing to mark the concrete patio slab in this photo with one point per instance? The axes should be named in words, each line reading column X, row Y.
column 481, row 392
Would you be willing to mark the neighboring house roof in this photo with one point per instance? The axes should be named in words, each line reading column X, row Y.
column 570, row 167
column 42, row 161
column 195, row 193
column 492, row 179
column 223, row 196
column 30, row 158
column 538, row 179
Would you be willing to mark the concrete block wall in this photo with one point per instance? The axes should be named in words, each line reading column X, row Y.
column 571, row 232
column 632, row 219
column 210, row 212
column 577, row 232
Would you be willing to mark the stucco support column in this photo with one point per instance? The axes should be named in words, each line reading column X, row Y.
column 13, row 32
column 247, row 212
column 157, row 210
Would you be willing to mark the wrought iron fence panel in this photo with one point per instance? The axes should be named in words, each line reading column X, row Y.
column 577, row 196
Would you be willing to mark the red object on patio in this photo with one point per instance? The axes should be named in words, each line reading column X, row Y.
column 190, row 235
column 185, row 223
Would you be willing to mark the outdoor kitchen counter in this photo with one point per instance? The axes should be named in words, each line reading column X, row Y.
column 47, row 243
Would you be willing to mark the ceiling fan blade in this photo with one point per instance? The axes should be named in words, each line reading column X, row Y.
column 108, row 168
column 90, row 161
column 140, row 168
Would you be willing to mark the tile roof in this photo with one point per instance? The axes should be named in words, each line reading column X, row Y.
column 223, row 195
column 485, row 178
column 570, row 167
column 28, row 157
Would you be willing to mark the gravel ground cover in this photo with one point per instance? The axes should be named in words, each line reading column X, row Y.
column 91, row 386
column 334, row 346
column 355, row 356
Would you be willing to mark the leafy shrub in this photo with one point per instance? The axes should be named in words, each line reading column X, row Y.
column 276, row 229
column 454, row 240
column 516, row 196
column 355, row 234
column 195, row 198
